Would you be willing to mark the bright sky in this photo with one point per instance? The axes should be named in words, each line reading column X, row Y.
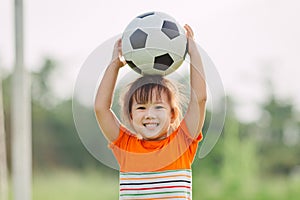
column 247, row 40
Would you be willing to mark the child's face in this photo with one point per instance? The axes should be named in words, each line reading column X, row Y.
column 152, row 120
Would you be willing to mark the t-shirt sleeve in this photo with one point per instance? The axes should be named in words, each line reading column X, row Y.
column 190, row 142
column 185, row 130
column 123, row 135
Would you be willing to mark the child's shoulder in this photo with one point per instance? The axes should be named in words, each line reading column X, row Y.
column 127, row 132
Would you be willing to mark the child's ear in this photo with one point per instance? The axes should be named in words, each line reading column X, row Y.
column 130, row 120
column 174, row 114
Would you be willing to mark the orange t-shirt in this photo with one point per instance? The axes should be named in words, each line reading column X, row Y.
column 177, row 151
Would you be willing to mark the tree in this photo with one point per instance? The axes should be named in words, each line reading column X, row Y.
column 240, row 160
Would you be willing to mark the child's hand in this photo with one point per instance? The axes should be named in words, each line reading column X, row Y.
column 117, row 54
column 190, row 38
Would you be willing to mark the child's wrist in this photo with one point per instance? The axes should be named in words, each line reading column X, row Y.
column 116, row 63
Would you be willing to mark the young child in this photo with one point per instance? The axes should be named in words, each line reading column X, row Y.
column 156, row 150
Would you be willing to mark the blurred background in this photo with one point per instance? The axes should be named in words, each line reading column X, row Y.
column 254, row 45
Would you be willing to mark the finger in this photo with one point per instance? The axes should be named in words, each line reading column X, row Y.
column 189, row 30
column 120, row 42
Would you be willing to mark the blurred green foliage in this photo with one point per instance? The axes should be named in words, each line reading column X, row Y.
column 258, row 160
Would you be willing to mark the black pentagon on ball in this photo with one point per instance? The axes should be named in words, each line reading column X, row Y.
column 138, row 39
column 163, row 62
column 133, row 66
column 170, row 29
column 145, row 15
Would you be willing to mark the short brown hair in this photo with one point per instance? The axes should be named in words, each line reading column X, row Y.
column 142, row 89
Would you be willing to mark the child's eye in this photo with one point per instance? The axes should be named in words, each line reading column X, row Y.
column 159, row 107
column 141, row 108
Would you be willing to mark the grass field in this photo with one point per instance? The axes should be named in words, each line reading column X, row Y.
column 96, row 185
column 66, row 185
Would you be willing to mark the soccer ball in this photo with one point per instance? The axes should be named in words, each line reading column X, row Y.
column 154, row 44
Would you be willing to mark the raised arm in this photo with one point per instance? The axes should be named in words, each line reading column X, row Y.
column 107, row 120
column 195, row 115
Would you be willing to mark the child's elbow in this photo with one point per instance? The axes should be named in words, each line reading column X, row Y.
column 100, row 113
column 202, row 99
column 98, row 109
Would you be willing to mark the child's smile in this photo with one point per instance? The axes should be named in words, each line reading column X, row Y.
column 151, row 125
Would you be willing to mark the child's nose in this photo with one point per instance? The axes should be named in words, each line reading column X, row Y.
column 149, row 113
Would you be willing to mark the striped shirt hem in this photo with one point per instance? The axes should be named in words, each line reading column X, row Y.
column 170, row 184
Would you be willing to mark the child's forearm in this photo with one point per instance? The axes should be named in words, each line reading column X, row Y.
column 195, row 114
column 198, row 82
column 106, row 88
column 107, row 120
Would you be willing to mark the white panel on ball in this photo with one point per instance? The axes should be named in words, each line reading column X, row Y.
column 163, row 43
column 142, row 57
